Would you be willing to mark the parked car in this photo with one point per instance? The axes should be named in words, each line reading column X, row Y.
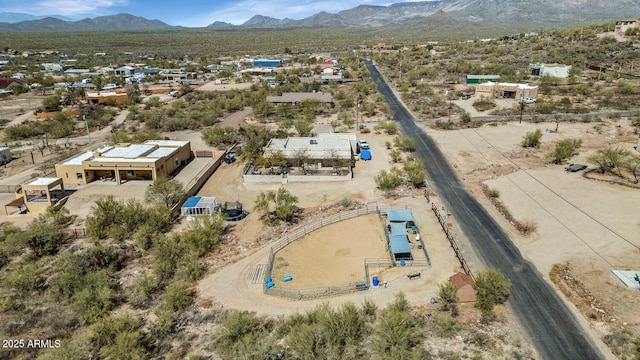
column 529, row 101
column 362, row 145
column 230, row 157
column 466, row 96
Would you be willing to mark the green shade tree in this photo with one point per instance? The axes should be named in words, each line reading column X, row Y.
column 165, row 191
column 492, row 288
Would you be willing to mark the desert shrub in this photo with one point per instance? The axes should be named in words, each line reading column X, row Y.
column 146, row 286
column 189, row 267
column 623, row 344
column 26, row 278
column 397, row 332
column 565, row 149
column 369, row 308
column 447, row 326
column 43, row 238
column 415, row 173
column 120, row 337
column 222, row 135
column 178, row 296
column 404, row 143
column 532, row 139
column 465, row 117
column 494, row 193
column 396, row 155
column 389, row 127
column 94, row 297
column 447, row 293
column 388, row 180
column 527, row 226
column 243, row 333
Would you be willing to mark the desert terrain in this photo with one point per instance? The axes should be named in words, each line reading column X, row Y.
column 584, row 227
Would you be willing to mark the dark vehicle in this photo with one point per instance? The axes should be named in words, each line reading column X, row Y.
column 575, row 167
column 230, row 157
column 466, row 96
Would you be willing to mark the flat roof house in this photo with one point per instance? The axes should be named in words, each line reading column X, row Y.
column 625, row 24
column 507, row 90
column 124, row 162
column 554, row 70
column 124, row 70
column 322, row 147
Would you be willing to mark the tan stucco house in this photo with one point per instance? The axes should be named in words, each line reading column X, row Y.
column 124, row 162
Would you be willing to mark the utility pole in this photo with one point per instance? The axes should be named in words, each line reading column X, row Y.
column 357, row 108
column 84, row 117
column 446, row 93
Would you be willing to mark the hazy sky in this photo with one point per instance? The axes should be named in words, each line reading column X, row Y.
column 192, row 13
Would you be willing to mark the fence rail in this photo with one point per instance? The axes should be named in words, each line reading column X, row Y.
column 452, row 241
column 312, row 293
column 288, row 238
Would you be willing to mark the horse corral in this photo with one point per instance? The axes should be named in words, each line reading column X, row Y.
column 333, row 256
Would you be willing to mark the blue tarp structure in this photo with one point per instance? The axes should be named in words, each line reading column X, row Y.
column 398, row 240
column 398, row 228
column 365, row 155
column 400, row 215
column 191, row 202
column 199, row 205
column 400, row 247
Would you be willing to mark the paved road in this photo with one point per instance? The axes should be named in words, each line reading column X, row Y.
column 550, row 325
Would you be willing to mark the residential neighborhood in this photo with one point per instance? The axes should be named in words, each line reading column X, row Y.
column 396, row 190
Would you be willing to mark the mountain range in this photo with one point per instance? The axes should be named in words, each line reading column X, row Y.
column 483, row 12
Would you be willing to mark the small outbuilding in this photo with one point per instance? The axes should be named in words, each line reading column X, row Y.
column 38, row 194
column 464, row 283
column 199, row 206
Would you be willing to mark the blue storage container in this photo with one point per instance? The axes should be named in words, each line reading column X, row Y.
column 375, row 281
column 270, row 284
column 402, row 263
column 287, row 278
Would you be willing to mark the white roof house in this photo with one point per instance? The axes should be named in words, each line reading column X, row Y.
column 324, row 146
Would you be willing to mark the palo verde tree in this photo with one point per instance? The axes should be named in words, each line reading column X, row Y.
column 276, row 206
column 165, row 191
column 565, row 149
column 610, row 158
column 532, row 139
column 492, row 288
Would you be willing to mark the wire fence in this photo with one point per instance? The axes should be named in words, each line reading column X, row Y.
column 454, row 245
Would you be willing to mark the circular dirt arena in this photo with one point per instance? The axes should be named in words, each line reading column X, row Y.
column 332, row 255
